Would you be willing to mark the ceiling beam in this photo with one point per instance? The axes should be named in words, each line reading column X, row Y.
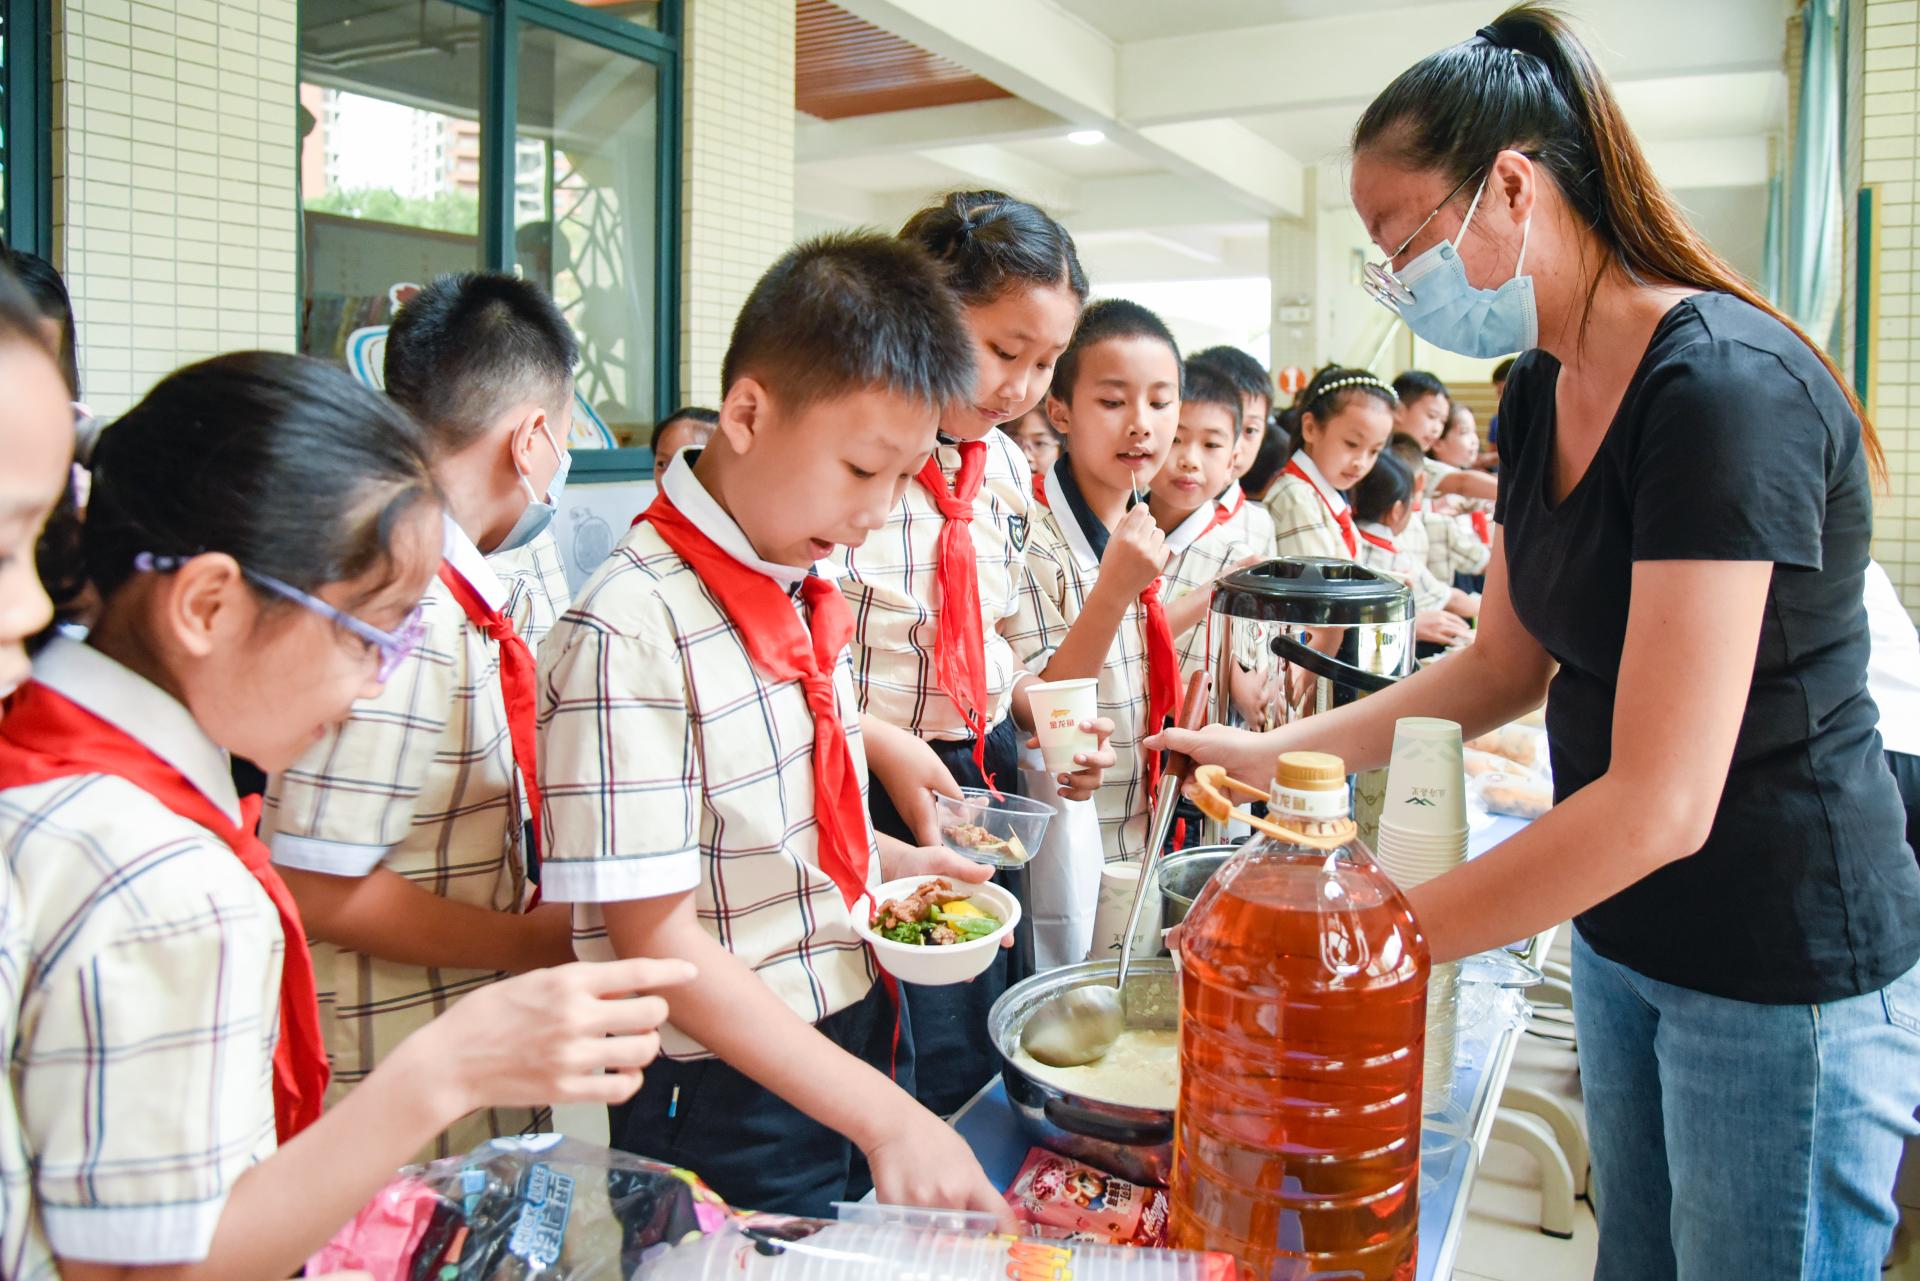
column 1041, row 54
column 1347, row 59
column 1711, row 162
column 998, row 169
column 892, row 132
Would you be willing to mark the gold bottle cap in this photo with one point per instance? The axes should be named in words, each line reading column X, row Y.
column 1310, row 772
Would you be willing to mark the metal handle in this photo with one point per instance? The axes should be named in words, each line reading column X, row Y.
column 1328, row 668
column 1193, row 713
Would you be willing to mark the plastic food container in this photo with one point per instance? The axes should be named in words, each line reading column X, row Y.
column 1000, row 831
column 939, row 964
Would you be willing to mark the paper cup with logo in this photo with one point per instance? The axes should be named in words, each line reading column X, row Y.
column 1118, row 882
column 1058, row 708
column 1426, row 780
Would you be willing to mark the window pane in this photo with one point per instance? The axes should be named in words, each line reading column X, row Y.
column 642, row 13
column 584, row 213
column 4, row 90
column 389, row 156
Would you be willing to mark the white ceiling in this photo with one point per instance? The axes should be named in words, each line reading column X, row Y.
column 1217, row 111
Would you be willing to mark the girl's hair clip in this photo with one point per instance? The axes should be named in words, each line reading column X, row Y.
column 1341, row 384
column 148, row 563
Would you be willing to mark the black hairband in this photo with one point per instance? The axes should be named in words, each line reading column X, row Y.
column 1491, row 36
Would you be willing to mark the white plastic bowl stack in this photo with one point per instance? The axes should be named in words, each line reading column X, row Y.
column 1423, row 834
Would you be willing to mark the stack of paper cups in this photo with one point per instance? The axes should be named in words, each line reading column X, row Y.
column 1423, row 834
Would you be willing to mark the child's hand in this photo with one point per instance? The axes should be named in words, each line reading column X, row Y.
column 1082, row 783
column 899, row 860
column 577, row 1033
column 911, row 772
column 1136, row 553
column 922, row 1161
column 1438, row 627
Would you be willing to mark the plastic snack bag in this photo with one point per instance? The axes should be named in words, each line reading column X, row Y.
column 517, row 1209
column 1089, row 1204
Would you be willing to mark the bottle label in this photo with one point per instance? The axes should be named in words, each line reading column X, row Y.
column 1328, row 805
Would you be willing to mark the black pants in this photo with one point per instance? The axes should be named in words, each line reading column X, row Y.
column 950, row 1023
column 755, row 1149
column 1906, row 772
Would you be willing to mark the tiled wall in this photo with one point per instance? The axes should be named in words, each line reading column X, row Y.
column 736, row 196
column 1890, row 131
column 174, row 145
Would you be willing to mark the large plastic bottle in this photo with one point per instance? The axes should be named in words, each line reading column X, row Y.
column 1303, row 1017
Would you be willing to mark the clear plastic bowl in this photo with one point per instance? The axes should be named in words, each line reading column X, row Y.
column 1000, row 831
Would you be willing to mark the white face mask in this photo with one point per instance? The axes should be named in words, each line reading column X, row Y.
column 539, row 512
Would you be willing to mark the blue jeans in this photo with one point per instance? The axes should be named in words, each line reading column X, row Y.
column 1743, row 1142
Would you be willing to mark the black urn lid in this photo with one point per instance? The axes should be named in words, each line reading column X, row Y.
column 1313, row 589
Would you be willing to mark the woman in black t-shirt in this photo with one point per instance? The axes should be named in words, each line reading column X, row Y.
column 1684, row 513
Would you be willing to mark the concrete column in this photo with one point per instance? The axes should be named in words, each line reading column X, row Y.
column 736, row 201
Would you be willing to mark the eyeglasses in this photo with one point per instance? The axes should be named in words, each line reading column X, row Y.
column 1378, row 278
column 393, row 647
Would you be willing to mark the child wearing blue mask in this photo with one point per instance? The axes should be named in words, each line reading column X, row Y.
column 403, row 832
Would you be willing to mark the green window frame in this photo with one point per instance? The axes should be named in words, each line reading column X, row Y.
column 27, row 126
column 658, row 46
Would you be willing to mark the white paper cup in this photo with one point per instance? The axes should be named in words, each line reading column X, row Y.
column 1427, row 779
column 1110, row 911
column 1059, row 708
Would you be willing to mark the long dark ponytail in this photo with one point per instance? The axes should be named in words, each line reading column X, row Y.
column 1526, row 82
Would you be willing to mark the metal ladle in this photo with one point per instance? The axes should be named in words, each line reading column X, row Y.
column 1081, row 1024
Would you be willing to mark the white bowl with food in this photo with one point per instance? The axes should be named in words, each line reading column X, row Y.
column 934, row 930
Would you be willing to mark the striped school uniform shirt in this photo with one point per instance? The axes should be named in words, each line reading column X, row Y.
column 534, row 579
column 1250, row 523
column 1303, row 514
column 1199, row 552
column 421, row 781
column 890, row 583
column 1451, row 545
column 669, row 765
column 1397, row 562
column 147, row 962
column 24, row 1255
column 1064, row 567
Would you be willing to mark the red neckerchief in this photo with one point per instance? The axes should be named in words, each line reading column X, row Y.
column 519, row 685
column 46, row 735
column 1344, row 519
column 1163, row 664
column 782, row 648
column 1384, row 544
column 785, row 649
column 1482, row 526
column 960, row 647
column 1040, row 488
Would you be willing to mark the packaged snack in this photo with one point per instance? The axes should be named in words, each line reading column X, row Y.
column 1091, row 1205
column 1517, row 794
column 517, row 1209
column 1520, row 744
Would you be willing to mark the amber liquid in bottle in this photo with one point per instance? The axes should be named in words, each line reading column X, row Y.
column 1303, row 1019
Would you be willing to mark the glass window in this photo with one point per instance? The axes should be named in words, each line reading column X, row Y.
column 642, row 13
column 4, row 90
column 585, row 166
column 390, row 178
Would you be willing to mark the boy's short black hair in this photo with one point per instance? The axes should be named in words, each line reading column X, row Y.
column 1206, row 383
column 1110, row 318
column 1039, row 414
column 1502, row 370
column 470, row 344
column 1377, row 493
column 1406, row 449
column 850, row 312
column 1249, row 375
column 1415, row 383
column 692, row 414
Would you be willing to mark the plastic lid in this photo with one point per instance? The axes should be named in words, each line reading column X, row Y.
column 1313, row 589
column 1310, row 771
